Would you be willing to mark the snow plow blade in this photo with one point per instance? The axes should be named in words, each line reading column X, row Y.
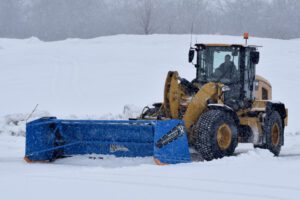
column 49, row 138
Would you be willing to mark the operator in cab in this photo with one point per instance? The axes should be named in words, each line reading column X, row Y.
column 226, row 70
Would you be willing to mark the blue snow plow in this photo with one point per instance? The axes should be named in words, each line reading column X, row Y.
column 50, row 138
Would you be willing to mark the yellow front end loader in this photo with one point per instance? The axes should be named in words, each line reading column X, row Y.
column 226, row 104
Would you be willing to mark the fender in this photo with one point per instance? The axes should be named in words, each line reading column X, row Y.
column 226, row 109
column 277, row 106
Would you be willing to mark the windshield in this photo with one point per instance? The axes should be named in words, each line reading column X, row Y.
column 218, row 64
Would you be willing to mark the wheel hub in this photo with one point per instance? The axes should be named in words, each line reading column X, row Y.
column 224, row 136
column 275, row 134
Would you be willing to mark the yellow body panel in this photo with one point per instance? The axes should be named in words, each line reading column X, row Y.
column 252, row 122
column 199, row 103
column 263, row 89
column 172, row 95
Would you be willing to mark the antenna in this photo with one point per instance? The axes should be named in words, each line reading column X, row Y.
column 32, row 112
column 192, row 30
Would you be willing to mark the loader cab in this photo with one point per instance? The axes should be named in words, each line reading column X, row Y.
column 232, row 65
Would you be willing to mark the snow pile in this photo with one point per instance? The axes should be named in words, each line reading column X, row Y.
column 15, row 124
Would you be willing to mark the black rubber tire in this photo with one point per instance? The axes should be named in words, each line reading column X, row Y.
column 205, row 134
column 270, row 120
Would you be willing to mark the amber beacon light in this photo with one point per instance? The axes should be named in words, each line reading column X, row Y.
column 246, row 37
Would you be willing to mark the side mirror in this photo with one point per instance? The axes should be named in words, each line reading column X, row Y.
column 191, row 55
column 235, row 53
column 254, row 57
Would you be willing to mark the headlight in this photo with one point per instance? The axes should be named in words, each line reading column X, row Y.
column 225, row 88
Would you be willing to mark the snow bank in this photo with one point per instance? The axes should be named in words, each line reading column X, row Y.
column 15, row 124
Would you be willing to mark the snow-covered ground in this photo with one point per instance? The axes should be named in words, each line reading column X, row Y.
column 252, row 174
column 94, row 79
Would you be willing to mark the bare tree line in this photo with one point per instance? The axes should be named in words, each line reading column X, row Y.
column 60, row 19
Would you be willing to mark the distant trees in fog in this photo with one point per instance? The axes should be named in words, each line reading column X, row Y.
column 60, row 19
